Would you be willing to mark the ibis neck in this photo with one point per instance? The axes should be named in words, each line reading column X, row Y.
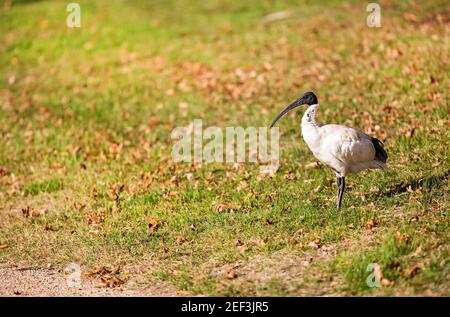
column 309, row 117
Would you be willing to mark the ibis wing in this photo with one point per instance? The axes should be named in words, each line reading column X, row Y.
column 380, row 152
column 350, row 146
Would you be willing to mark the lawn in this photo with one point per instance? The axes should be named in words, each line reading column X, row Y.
column 87, row 176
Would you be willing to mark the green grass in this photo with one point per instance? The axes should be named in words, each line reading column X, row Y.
column 87, row 115
column 46, row 186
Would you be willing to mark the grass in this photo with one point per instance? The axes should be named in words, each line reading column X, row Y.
column 46, row 186
column 86, row 120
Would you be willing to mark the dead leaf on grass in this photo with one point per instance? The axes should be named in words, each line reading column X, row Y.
column 26, row 212
column 401, row 237
column 180, row 240
column 108, row 277
column 386, row 282
column 258, row 242
column 230, row 274
column 409, row 134
column 110, row 281
column 79, row 206
column 314, row 164
column 223, row 207
column 372, row 223
column 315, row 244
column 47, row 227
column 154, row 224
column 411, row 271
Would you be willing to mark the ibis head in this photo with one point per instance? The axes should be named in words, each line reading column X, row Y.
column 308, row 98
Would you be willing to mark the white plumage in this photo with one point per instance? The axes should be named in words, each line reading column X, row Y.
column 344, row 149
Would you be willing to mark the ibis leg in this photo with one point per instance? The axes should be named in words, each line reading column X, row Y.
column 338, row 180
column 341, row 188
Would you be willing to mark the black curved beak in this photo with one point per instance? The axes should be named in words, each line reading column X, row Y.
column 293, row 105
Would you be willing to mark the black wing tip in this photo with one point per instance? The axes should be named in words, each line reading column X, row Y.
column 380, row 153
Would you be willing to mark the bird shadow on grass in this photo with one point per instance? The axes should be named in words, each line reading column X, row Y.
column 428, row 182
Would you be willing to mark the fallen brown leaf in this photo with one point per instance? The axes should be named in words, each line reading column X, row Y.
column 180, row 240
column 400, row 237
column 409, row 134
column 26, row 212
column 78, row 206
column 47, row 227
column 413, row 270
column 154, row 120
column 221, row 207
column 372, row 223
column 418, row 251
column 386, row 282
column 239, row 242
column 230, row 274
column 258, row 242
column 314, row 164
column 154, row 224
column 108, row 277
column 314, row 244
column 411, row 17
column 110, row 281
column 94, row 218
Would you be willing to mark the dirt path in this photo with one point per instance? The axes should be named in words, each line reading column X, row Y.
column 299, row 273
column 16, row 281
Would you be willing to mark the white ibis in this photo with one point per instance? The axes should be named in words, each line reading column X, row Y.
column 345, row 150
